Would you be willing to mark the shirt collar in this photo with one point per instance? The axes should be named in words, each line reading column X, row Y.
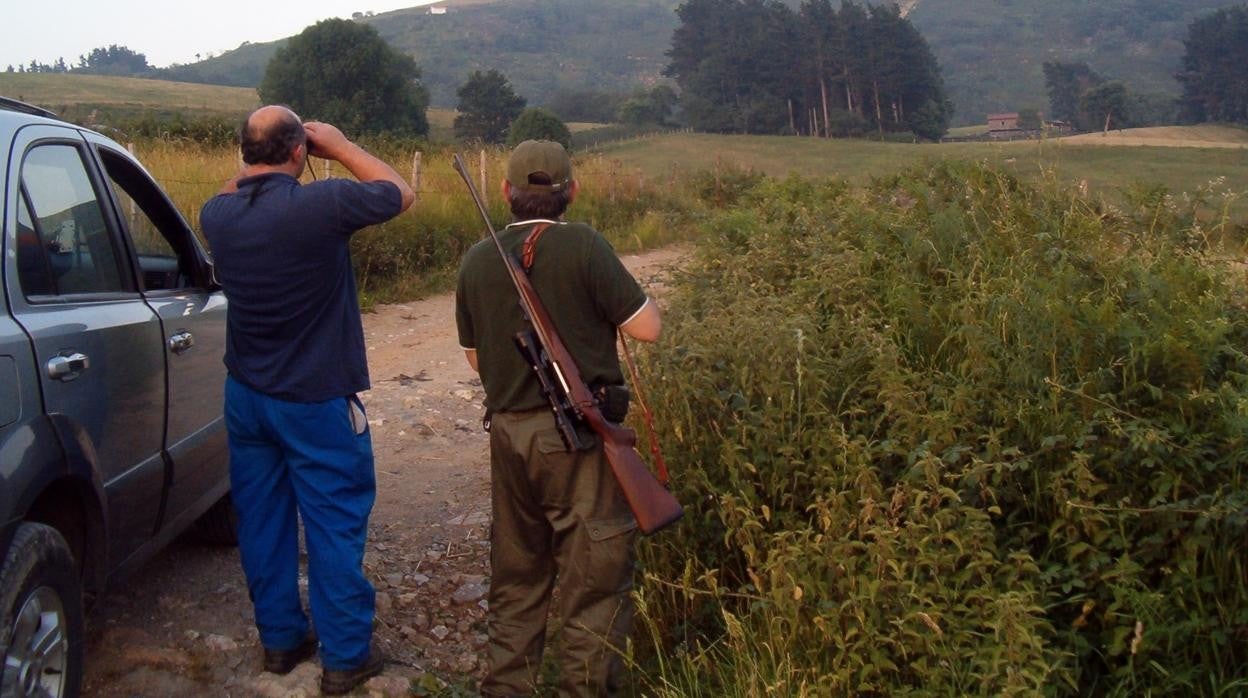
column 518, row 224
column 261, row 178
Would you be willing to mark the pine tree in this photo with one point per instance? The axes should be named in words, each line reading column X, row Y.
column 487, row 106
column 1214, row 77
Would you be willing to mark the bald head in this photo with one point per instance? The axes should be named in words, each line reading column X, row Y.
column 270, row 136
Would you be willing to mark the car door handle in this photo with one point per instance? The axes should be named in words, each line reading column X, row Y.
column 181, row 341
column 67, row 368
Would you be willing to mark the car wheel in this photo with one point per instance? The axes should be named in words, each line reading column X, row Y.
column 41, row 628
column 218, row 525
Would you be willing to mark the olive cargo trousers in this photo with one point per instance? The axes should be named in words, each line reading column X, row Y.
column 559, row 519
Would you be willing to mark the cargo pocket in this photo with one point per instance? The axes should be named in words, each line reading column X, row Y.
column 611, row 554
column 548, row 442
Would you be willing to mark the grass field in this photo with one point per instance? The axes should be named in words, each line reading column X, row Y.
column 1108, row 171
column 58, row 91
column 1203, row 136
column 441, row 124
column 967, row 131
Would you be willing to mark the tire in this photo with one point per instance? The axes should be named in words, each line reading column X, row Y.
column 218, row 525
column 41, row 626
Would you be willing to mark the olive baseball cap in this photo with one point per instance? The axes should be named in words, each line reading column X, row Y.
column 546, row 158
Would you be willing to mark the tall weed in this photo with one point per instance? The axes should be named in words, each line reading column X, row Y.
column 419, row 251
column 949, row 434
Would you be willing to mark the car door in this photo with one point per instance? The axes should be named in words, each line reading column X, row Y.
column 176, row 281
column 97, row 344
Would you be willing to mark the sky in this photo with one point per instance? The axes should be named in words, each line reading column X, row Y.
column 166, row 31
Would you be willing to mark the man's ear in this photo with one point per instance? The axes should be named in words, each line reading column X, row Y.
column 576, row 189
column 506, row 190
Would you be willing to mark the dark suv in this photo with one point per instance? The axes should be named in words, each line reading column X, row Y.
column 112, row 439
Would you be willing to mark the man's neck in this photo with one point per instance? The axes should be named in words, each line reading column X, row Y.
column 257, row 170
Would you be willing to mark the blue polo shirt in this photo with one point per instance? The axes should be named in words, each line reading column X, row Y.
column 281, row 253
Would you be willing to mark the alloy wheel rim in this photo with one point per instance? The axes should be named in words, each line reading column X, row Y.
column 36, row 660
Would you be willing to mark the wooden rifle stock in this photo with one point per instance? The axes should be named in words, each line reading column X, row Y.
column 653, row 505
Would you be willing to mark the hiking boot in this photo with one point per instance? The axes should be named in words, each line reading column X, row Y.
column 336, row 682
column 284, row 661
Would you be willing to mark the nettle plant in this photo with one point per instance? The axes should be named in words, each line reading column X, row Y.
column 949, row 434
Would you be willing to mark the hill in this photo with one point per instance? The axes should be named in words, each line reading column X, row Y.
column 992, row 52
column 63, row 91
column 542, row 46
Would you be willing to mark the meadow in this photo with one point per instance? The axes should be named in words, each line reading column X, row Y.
column 1109, row 172
column 80, row 93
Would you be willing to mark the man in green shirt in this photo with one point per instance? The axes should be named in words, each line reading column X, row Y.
column 557, row 515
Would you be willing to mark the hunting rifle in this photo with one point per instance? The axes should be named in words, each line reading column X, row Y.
column 570, row 398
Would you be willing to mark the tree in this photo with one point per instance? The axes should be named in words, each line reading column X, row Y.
column 757, row 66
column 344, row 73
column 1104, row 107
column 113, row 60
column 1065, row 83
column 734, row 62
column 1214, row 77
column 930, row 120
column 537, row 124
column 1029, row 119
column 487, row 106
column 649, row 108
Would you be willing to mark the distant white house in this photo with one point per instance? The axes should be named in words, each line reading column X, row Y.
column 436, row 10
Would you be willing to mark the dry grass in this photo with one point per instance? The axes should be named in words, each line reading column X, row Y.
column 1203, row 136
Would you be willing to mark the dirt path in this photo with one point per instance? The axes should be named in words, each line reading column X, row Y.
column 183, row 623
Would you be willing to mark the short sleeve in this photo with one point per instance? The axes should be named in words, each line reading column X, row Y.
column 361, row 204
column 615, row 291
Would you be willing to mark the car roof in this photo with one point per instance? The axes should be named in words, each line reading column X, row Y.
column 10, row 104
column 15, row 115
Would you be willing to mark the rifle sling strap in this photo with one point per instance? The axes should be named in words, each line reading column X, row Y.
column 529, row 250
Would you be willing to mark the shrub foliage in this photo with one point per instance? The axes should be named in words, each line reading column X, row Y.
column 344, row 73
column 951, row 435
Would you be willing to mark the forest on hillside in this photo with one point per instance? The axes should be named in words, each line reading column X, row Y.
column 992, row 52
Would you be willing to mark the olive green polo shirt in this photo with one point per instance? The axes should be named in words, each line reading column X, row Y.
column 585, row 288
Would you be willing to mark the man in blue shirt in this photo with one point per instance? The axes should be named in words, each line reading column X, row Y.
column 298, row 437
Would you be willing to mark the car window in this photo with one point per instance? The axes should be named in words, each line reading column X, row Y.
column 159, row 235
column 67, row 218
column 33, row 269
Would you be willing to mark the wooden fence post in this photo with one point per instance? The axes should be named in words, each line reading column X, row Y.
column 484, row 181
column 416, row 162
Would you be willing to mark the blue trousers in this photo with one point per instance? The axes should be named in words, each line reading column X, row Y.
column 290, row 460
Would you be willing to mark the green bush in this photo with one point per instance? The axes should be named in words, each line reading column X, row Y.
column 538, row 124
column 951, row 435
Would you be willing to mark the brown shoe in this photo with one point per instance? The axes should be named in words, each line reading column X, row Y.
column 337, row 682
column 284, row 661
